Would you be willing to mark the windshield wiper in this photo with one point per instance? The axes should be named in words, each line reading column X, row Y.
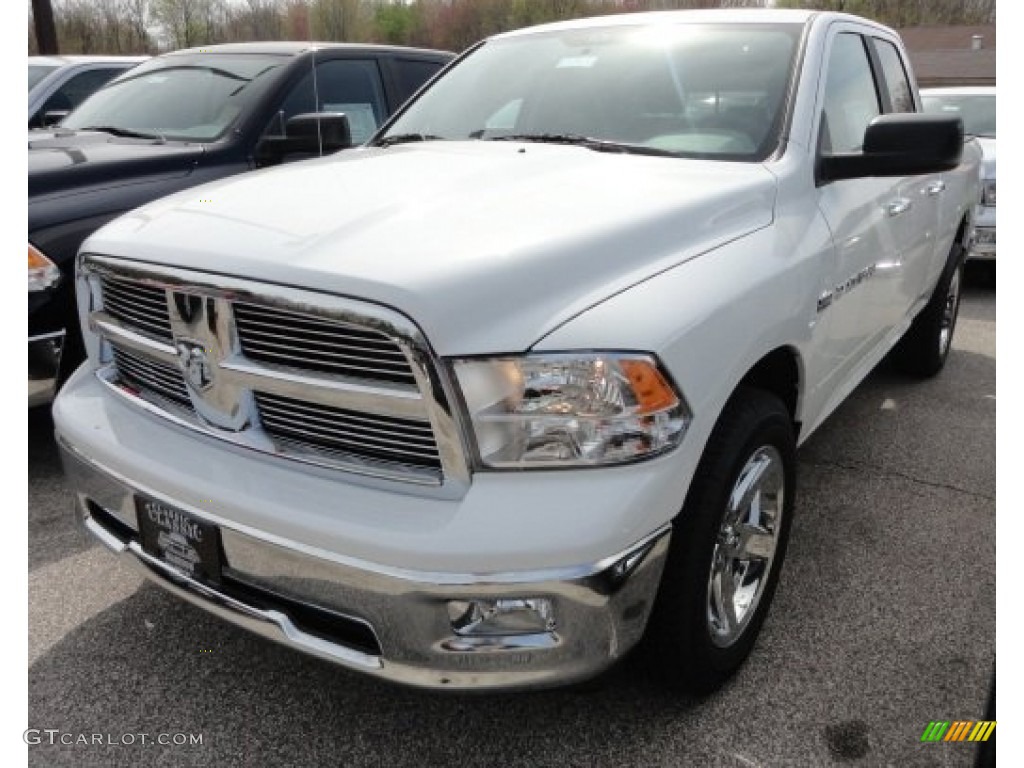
column 123, row 132
column 579, row 140
column 406, row 138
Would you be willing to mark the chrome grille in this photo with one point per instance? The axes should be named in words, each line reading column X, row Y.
column 301, row 374
column 314, row 343
column 380, row 438
column 151, row 377
column 138, row 306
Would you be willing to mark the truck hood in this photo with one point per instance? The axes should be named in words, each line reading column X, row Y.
column 488, row 246
column 65, row 162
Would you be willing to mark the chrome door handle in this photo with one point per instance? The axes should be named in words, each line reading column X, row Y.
column 935, row 188
column 898, row 206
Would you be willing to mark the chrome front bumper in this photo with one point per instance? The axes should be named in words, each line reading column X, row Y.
column 392, row 623
column 983, row 245
column 44, row 353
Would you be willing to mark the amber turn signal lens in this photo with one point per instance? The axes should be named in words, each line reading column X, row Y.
column 42, row 273
column 652, row 392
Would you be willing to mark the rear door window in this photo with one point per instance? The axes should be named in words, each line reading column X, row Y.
column 411, row 74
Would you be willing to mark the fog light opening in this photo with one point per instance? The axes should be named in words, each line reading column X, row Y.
column 502, row 616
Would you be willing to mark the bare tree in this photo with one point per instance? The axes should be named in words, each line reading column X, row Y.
column 136, row 15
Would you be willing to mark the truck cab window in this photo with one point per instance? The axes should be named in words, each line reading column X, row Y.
column 352, row 86
column 851, row 100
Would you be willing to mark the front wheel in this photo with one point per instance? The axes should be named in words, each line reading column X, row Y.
column 727, row 547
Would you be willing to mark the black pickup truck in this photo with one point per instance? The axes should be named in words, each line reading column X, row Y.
column 183, row 119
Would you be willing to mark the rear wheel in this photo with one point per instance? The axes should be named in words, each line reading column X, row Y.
column 925, row 346
column 727, row 547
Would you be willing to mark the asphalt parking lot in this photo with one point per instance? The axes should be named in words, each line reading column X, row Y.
column 884, row 620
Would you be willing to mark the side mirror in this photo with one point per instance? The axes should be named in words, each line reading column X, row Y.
column 329, row 130
column 54, row 116
column 903, row 144
column 307, row 134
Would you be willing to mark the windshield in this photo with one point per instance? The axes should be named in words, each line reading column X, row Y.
column 692, row 90
column 37, row 72
column 194, row 98
column 977, row 110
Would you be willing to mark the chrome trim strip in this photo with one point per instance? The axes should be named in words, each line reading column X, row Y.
column 109, row 540
column 327, row 390
column 114, row 330
column 47, row 336
column 431, row 401
column 239, row 612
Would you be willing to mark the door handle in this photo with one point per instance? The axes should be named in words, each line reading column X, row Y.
column 935, row 188
column 898, row 206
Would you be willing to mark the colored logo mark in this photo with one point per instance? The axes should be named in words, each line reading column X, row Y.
column 958, row 730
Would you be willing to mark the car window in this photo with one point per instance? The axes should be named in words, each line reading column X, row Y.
column 411, row 74
column 188, row 97
column 76, row 90
column 897, row 83
column 851, row 100
column 352, row 86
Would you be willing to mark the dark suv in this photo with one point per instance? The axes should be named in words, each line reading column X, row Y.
column 180, row 120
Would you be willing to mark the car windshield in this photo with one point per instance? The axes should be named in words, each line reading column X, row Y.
column 690, row 90
column 978, row 110
column 191, row 98
column 37, row 72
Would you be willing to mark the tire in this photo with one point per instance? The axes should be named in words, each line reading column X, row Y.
column 923, row 350
column 693, row 644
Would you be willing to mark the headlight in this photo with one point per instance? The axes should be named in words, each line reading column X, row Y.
column 988, row 193
column 562, row 410
column 42, row 273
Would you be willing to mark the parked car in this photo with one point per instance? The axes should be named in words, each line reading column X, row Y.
column 58, row 84
column 481, row 404
column 180, row 120
column 976, row 105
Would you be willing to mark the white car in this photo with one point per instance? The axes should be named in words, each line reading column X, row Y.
column 976, row 105
column 482, row 403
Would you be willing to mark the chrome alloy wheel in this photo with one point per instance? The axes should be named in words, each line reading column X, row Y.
column 745, row 546
column 949, row 311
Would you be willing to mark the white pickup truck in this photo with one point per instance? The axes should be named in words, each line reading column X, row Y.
column 482, row 403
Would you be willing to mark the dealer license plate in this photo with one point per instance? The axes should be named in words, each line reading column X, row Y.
column 179, row 539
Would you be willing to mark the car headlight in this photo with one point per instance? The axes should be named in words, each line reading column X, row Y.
column 988, row 193
column 42, row 273
column 565, row 410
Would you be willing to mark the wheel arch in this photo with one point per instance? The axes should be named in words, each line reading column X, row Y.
column 780, row 372
column 963, row 232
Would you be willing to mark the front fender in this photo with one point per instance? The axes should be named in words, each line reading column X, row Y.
column 711, row 320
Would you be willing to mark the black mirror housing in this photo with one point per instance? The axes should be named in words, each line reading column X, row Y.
column 306, row 134
column 327, row 130
column 901, row 144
